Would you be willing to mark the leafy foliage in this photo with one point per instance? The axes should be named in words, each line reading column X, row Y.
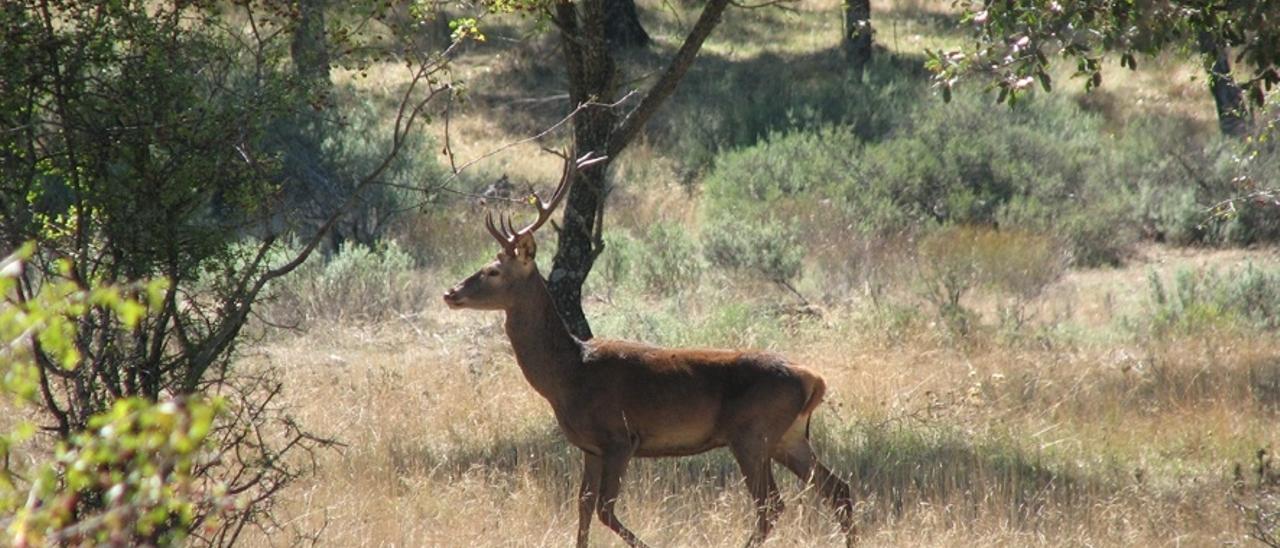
column 135, row 463
column 141, row 142
column 1043, row 169
column 139, row 460
column 1015, row 40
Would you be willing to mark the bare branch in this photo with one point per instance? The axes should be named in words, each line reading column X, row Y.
column 780, row 4
column 540, row 134
column 666, row 85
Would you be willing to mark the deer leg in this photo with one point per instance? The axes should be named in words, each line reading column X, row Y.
column 754, row 462
column 588, row 495
column 798, row 457
column 614, row 467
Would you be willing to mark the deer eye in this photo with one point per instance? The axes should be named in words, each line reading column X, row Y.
column 491, row 273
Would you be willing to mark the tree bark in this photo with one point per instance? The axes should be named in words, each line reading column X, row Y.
column 317, row 189
column 598, row 128
column 622, row 25
column 857, row 33
column 308, row 49
column 591, row 71
column 1233, row 114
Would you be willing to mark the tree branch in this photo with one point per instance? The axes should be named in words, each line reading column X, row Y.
column 666, row 85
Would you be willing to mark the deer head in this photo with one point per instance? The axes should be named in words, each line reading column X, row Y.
column 500, row 283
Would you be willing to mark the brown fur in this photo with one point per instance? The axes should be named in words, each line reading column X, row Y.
column 617, row 400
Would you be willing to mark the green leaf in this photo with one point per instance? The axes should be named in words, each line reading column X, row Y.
column 130, row 313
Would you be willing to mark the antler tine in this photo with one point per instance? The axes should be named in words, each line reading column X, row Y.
column 509, row 227
column 506, row 241
column 570, row 168
column 545, row 208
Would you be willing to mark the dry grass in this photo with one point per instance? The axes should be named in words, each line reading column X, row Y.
column 1057, row 442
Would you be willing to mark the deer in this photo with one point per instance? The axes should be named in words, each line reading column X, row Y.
column 618, row 400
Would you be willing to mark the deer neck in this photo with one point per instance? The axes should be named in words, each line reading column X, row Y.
column 547, row 353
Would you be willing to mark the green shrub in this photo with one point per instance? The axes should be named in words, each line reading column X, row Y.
column 736, row 325
column 671, row 260
column 796, row 166
column 675, row 323
column 355, row 140
column 1100, row 233
column 1204, row 300
column 771, row 250
column 733, row 107
column 1179, row 177
column 358, row 282
column 1043, row 167
column 131, row 476
column 1046, row 165
column 617, row 264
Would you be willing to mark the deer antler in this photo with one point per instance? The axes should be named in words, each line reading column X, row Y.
column 505, row 231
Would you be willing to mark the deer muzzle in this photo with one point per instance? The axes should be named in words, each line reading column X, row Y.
column 452, row 299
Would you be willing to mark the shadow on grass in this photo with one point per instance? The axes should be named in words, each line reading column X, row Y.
column 723, row 102
column 896, row 468
column 893, row 469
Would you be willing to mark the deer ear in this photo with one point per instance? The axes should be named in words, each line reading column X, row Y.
column 526, row 248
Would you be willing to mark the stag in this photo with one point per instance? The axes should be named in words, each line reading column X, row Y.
column 618, row 400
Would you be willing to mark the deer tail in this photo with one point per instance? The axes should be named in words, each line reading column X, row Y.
column 817, row 388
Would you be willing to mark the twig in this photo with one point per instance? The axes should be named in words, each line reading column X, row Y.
column 770, row 3
column 458, row 170
column 787, row 285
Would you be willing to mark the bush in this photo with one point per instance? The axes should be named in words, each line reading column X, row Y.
column 1178, row 178
column 358, row 281
column 131, row 473
column 1015, row 266
column 1201, row 300
column 617, row 262
column 355, row 145
column 733, row 107
column 1043, row 168
column 1100, row 234
column 948, row 267
column 671, row 260
column 1045, row 165
column 771, row 249
column 151, row 162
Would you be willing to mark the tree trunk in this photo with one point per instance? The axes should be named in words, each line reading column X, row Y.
column 579, row 246
column 622, row 25
column 857, row 33
column 316, row 189
column 1233, row 114
column 598, row 128
column 591, row 68
column 309, row 49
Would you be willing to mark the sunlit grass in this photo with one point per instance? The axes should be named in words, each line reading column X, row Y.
column 1129, row 442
